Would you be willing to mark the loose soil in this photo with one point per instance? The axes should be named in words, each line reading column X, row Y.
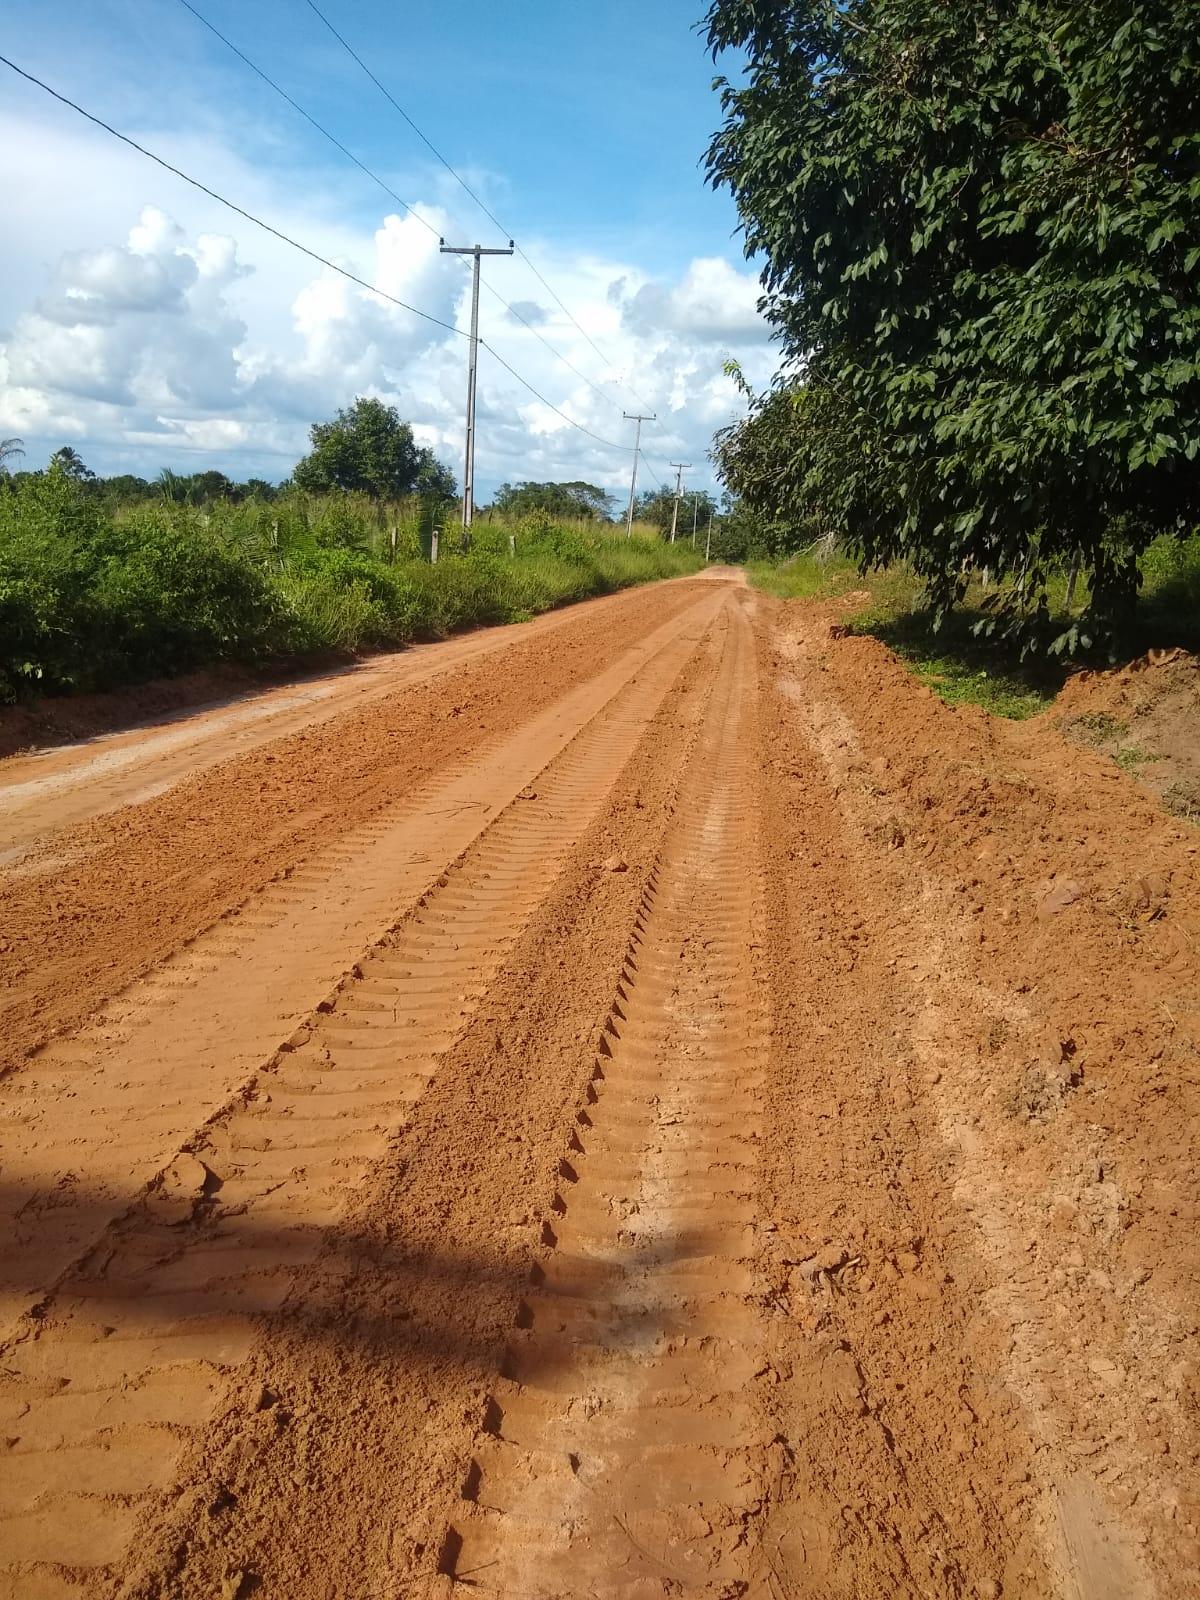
column 657, row 1104
column 1147, row 718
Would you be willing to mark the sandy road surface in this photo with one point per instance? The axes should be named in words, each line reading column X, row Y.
column 647, row 1104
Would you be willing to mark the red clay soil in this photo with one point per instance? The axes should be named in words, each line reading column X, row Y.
column 745, row 1145
column 53, row 720
column 1147, row 717
column 123, row 891
column 57, row 720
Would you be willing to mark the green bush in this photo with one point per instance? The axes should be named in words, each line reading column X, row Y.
column 170, row 598
column 328, row 616
column 94, row 593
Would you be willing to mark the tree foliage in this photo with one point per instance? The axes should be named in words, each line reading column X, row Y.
column 367, row 448
column 657, row 505
column 576, row 500
column 95, row 593
column 67, row 460
column 981, row 226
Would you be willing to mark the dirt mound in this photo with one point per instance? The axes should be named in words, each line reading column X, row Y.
column 1147, row 718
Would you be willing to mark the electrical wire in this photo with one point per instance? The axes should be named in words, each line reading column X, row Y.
column 308, row 117
column 554, row 351
column 627, row 448
column 220, row 198
column 404, row 205
column 350, row 50
column 313, row 255
column 459, row 179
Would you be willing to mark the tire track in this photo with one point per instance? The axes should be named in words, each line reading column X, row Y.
column 622, row 1453
column 126, row 767
column 93, row 1117
column 128, row 1357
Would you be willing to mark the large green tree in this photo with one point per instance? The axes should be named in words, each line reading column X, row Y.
column 657, row 505
column 981, row 229
column 367, row 447
column 574, row 499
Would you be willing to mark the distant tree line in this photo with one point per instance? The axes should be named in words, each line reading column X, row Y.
column 367, row 449
column 197, row 488
column 576, row 500
column 656, row 506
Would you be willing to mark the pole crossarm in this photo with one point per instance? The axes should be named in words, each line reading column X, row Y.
column 476, row 251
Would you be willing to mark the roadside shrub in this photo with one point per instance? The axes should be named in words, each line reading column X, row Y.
column 546, row 580
column 94, row 593
column 168, row 598
column 31, row 628
column 1172, row 566
column 329, row 616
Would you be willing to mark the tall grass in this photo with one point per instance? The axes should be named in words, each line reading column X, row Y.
column 93, row 595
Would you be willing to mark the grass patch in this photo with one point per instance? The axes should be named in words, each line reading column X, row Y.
column 806, row 577
column 960, row 668
column 1183, row 800
column 1096, row 728
column 1131, row 758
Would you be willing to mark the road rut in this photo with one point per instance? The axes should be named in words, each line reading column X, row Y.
column 632, row 1130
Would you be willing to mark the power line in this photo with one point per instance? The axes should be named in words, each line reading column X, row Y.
column 404, row 205
column 606, row 360
column 349, row 48
column 459, row 179
column 650, row 469
column 496, row 356
column 220, row 198
column 304, row 249
column 512, row 310
column 307, row 115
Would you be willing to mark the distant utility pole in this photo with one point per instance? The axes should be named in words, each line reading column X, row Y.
column 632, row 416
column 680, row 468
column 475, row 250
column 695, row 514
column 708, row 540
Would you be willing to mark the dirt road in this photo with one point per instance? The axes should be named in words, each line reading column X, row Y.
column 647, row 1103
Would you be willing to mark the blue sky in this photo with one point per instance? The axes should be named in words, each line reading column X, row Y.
column 149, row 327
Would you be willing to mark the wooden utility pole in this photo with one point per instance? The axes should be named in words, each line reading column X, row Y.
column 680, row 468
column 632, row 416
column 474, row 250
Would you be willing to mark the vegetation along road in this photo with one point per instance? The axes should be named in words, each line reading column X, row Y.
column 650, row 1101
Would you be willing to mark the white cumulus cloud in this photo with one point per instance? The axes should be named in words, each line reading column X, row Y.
column 179, row 345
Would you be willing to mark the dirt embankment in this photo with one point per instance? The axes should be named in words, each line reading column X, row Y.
column 1147, row 718
column 1039, row 918
column 56, row 720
